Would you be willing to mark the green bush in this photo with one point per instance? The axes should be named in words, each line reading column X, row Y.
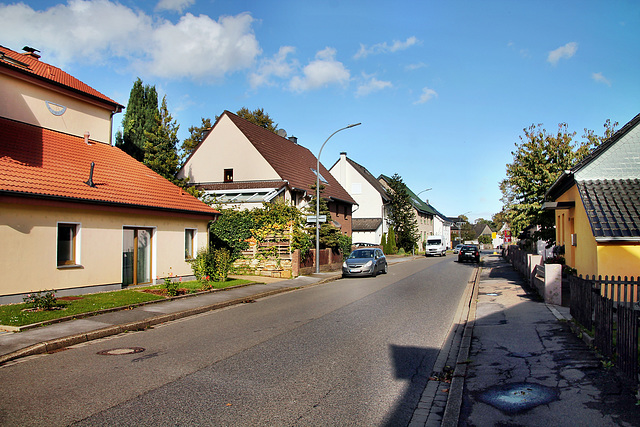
column 345, row 245
column 42, row 302
column 171, row 286
column 211, row 265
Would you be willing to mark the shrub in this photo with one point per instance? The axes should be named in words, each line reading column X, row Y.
column 345, row 245
column 42, row 302
column 171, row 286
column 211, row 264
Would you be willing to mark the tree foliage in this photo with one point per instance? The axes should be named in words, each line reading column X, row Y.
column 401, row 216
column 538, row 161
column 258, row 117
column 160, row 146
column 330, row 235
column 196, row 135
column 140, row 119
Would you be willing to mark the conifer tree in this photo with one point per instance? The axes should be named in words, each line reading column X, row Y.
column 160, row 147
column 140, row 119
column 402, row 217
column 383, row 243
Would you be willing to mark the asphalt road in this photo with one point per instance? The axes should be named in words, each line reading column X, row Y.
column 350, row 352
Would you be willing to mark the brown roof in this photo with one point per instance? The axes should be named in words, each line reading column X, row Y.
column 292, row 162
column 365, row 224
column 241, row 185
column 29, row 65
column 43, row 163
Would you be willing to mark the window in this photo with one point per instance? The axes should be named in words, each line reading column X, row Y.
column 189, row 243
column 320, row 175
column 228, row 175
column 67, row 251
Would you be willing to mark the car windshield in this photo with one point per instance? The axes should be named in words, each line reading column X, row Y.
column 433, row 242
column 469, row 248
column 362, row 253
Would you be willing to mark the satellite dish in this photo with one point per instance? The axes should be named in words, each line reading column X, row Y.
column 282, row 133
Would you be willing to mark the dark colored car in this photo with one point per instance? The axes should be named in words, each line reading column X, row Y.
column 469, row 252
column 365, row 262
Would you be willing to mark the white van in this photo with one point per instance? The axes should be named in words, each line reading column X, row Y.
column 436, row 245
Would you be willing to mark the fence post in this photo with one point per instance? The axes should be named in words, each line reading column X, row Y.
column 553, row 284
column 532, row 261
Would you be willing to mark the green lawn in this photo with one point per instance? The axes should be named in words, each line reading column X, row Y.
column 13, row 314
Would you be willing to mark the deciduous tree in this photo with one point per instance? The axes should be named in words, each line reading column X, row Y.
column 401, row 216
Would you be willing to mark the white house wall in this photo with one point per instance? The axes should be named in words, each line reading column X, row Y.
column 226, row 147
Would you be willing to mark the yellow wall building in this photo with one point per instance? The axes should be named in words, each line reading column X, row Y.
column 597, row 208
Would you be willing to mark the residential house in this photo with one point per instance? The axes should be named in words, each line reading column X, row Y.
column 441, row 226
column 597, row 207
column 78, row 215
column 423, row 212
column 243, row 165
column 370, row 214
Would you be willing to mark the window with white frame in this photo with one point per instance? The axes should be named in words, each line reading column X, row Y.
column 68, row 244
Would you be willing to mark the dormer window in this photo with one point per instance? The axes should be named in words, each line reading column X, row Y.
column 228, row 175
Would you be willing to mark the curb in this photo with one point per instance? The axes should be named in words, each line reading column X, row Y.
column 58, row 343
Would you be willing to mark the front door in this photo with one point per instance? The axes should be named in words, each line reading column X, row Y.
column 136, row 256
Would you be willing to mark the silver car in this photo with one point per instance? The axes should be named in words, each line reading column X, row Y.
column 365, row 262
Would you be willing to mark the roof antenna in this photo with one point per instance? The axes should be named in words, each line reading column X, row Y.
column 90, row 181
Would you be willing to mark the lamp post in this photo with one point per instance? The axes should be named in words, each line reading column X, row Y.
column 423, row 191
column 318, row 196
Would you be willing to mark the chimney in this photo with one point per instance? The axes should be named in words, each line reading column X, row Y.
column 30, row 51
column 86, row 138
column 293, row 139
column 89, row 182
column 343, row 169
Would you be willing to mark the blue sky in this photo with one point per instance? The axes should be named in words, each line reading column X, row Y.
column 443, row 89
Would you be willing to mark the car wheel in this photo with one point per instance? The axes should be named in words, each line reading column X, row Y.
column 386, row 269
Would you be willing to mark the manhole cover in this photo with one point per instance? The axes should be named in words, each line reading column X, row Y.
column 121, row 351
column 512, row 398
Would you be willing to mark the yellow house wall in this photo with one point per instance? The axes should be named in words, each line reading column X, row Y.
column 26, row 102
column 584, row 256
column 29, row 245
column 619, row 259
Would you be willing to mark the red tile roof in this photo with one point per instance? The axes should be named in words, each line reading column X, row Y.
column 44, row 163
column 292, row 162
column 29, row 65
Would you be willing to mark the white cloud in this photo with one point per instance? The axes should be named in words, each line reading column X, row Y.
column 599, row 77
column 563, row 52
column 385, row 48
column 277, row 66
column 321, row 72
column 99, row 31
column 416, row 66
column 371, row 84
column 427, row 94
column 174, row 5
column 201, row 48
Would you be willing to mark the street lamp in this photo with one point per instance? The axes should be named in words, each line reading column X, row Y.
column 423, row 191
column 318, row 196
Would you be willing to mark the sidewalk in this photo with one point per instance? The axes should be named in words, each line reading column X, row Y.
column 515, row 361
column 59, row 335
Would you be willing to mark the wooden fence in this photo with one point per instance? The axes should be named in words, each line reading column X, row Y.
column 608, row 307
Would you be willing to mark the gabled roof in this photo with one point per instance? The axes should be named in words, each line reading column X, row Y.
column 613, row 208
column 46, row 164
column 418, row 204
column 567, row 179
column 28, row 65
column 292, row 162
column 369, row 177
column 365, row 224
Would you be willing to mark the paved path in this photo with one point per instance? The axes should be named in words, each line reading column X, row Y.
column 514, row 360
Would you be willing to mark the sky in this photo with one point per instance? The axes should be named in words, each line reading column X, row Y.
column 443, row 89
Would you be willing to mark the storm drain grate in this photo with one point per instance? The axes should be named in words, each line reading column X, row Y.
column 121, row 351
column 513, row 398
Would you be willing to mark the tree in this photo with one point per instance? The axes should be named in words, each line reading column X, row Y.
column 538, row 161
column 401, row 216
column 330, row 235
column 197, row 134
column 160, row 147
column 140, row 119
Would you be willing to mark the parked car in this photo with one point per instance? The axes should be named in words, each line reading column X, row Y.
column 469, row 252
column 457, row 249
column 365, row 262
